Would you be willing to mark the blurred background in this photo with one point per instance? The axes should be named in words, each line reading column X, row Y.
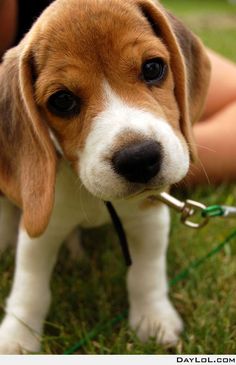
column 213, row 20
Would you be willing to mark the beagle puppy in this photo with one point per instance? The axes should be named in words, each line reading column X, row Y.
column 96, row 104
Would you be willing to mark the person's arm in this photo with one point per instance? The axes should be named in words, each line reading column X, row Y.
column 215, row 135
column 8, row 24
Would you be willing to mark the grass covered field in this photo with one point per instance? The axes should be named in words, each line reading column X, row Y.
column 91, row 292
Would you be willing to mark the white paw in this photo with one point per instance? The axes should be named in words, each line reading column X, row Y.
column 16, row 338
column 160, row 321
column 13, row 345
column 9, row 348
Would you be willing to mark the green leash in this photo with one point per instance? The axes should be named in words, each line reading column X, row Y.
column 179, row 277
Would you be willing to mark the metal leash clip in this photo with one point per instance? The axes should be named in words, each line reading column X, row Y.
column 188, row 208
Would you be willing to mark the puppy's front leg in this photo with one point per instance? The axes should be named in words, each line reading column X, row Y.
column 29, row 300
column 9, row 222
column 151, row 313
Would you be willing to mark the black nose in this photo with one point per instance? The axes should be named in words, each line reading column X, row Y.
column 138, row 162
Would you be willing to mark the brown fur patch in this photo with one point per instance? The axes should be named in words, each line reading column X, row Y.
column 27, row 158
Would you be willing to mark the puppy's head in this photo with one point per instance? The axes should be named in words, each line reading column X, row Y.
column 115, row 84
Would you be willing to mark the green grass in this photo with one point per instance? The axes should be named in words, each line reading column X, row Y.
column 213, row 20
column 93, row 291
column 186, row 7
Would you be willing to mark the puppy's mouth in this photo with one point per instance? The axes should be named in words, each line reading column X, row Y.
column 146, row 192
column 137, row 191
column 125, row 190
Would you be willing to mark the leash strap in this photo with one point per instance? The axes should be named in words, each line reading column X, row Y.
column 120, row 232
column 223, row 211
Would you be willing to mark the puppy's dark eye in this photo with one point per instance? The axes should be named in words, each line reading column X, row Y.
column 64, row 103
column 154, row 71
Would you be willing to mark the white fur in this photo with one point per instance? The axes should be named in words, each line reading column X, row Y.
column 95, row 168
column 151, row 313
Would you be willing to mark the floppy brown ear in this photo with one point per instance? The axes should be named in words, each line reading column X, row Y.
column 189, row 63
column 27, row 156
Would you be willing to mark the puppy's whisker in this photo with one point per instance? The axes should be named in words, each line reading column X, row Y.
column 202, row 147
column 205, row 173
column 202, row 168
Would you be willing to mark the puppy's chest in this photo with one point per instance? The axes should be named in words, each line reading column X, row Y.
column 91, row 212
column 75, row 203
